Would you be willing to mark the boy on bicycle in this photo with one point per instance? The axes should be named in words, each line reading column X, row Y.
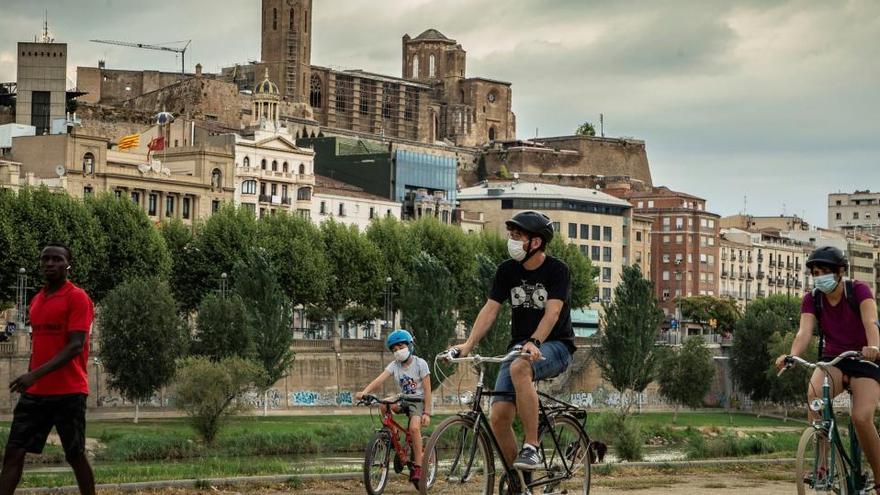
column 413, row 376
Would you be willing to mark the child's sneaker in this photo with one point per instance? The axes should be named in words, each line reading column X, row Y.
column 415, row 475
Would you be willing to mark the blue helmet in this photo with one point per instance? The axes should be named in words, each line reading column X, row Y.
column 399, row 336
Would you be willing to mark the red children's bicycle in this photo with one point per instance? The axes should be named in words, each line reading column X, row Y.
column 386, row 448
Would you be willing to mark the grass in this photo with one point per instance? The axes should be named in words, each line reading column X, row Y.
column 729, row 445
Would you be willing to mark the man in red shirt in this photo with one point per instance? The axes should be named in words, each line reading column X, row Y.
column 55, row 388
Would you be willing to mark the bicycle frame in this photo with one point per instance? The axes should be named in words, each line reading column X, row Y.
column 481, row 421
column 852, row 460
column 394, row 429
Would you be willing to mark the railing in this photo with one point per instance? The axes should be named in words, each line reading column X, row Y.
column 760, row 274
column 761, row 293
column 760, row 258
column 365, row 345
column 771, row 281
column 312, row 345
column 732, row 257
column 749, row 276
column 724, row 273
column 265, row 198
column 772, row 263
column 285, row 200
column 7, row 348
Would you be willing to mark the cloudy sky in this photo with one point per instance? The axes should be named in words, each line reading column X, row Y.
column 774, row 101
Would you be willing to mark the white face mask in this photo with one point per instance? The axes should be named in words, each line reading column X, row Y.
column 515, row 249
column 401, row 355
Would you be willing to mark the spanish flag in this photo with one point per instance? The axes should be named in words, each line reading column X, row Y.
column 130, row 141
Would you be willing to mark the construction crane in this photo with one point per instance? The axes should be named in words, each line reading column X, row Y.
column 181, row 51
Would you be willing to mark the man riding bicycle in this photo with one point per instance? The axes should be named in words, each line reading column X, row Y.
column 539, row 289
column 846, row 313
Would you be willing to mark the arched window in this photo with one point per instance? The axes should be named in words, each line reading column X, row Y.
column 88, row 163
column 304, row 194
column 274, row 165
column 432, row 69
column 415, row 67
column 302, row 168
column 285, row 168
column 263, row 164
column 491, row 134
column 249, row 187
column 274, row 19
column 461, row 92
column 216, row 179
column 315, row 99
column 246, row 163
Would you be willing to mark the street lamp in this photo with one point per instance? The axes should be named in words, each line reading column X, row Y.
column 389, row 308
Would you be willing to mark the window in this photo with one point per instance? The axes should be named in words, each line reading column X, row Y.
column 711, row 259
column 667, row 221
column 372, row 212
column 341, row 209
column 274, row 19
column 606, row 274
column 415, row 67
column 606, row 234
column 703, row 258
column 285, row 168
column 641, row 204
column 169, row 206
column 40, row 105
column 315, row 99
column 151, row 205
column 185, row 212
column 215, row 206
column 249, row 187
column 678, row 257
column 703, row 222
column 638, row 236
column 666, row 239
column 117, row 193
column 555, row 226
column 678, row 276
column 711, row 223
column 855, row 215
column 679, row 239
column 388, row 213
column 665, row 275
column 136, row 197
column 304, row 213
column 585, row 250
column 216, row 179
column 650, row 204
column 263, row 188
column 666, row 258
column 302, row 168
column 837, row 202
column 606, row 254
column 274, row 189
column 711, row 241
column 432, row 69
column 597, row 234
column 284, row 191
column 304, row 194
column 323, row 210
column 679, row 223
column 594, row 253
column 87, row 191
column 606, row 293
column 246, row 162
column 274, row 165
column 492, row 134
column 263, row 164
column 585, row 231
column 88, row 164
column 572, row 231
column 665, row 294
column 638, row 256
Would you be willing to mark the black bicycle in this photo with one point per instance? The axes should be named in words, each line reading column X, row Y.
column 464, row 446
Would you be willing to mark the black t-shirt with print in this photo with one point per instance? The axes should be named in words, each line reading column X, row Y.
column 528, row 291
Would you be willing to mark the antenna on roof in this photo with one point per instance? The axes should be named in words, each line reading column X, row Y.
column 745, row 203
column 602, row 124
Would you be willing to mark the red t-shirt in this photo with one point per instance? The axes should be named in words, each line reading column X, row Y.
column 53, row 318
column 843, row 329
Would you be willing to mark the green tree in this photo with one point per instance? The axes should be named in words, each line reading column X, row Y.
column 789, row 389
column 583, row 273
column 585, row 129
column 749, row 353
column 295, row 249
column 627, row 351
column 218, row 244
column 704, row 309
column 37, row 217
column 209, row 391
column 183, row 277
column 685, row 374
column 498, row 337
column 141, row 337
column 427, row 302
column 134, row 247
column 355, row 271
column 392, row 238
column 225, row 328
column 451, row 246
column 270, row 313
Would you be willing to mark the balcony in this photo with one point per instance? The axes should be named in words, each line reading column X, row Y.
column 724, row 273
column 749, row 276
column 285, row 200
column 760, row 274
column 798, row 284
column 760, row 258
column 761, row 293
column 742, row 276
column 771, row 282
column 732, row 257
column 750, row 258
column 797, row 266
column 780, row 282
column 772, row 264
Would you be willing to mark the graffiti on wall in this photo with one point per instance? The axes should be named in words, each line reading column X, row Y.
column 604, row 397
column 311, row 398
column 255, row 399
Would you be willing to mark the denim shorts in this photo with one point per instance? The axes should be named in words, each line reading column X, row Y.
column 556, row 360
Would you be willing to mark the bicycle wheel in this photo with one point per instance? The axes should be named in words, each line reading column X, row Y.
column 376, row 460
column 819, row 466
column 462, row 462
column 567, row 458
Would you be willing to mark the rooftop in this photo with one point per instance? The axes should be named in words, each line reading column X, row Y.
column 519, row 190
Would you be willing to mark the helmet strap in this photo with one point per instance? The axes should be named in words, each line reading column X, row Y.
column 529, row 252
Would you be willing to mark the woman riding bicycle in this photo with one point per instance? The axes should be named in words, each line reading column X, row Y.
column 847, row 317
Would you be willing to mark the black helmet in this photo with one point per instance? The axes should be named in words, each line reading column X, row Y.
column 533, row 223
column 827, row 255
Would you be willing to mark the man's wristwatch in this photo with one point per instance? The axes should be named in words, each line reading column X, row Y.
column 534, row 341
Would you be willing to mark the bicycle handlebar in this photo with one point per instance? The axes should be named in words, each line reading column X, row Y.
column 792, row 360
column 369, row 400
column 451, row 356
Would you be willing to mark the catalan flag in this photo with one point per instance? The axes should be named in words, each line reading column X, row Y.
column 130, row 141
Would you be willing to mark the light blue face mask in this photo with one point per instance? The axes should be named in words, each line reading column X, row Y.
column 826, row 283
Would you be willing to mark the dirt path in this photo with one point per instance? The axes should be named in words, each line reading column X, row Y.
column 754, row 482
